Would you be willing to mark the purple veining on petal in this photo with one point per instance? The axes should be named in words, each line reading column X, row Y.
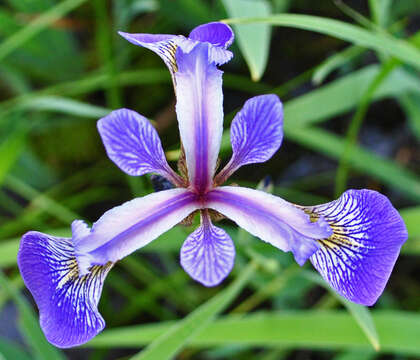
column 270, row 218
column 133, row 144
column 130, row 226
column 163, row 45
column 256, row 133
column 358, row 258
column 219, row 35
column 208, row 254
column 68, row 303
column 200, row 113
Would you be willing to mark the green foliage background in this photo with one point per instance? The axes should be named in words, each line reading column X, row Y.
column 348, row 73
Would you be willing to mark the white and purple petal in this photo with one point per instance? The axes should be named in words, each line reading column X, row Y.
column 256, row 133
column 357, row 260
column 67, row 302
column 163, row 45
column 270, row 218
column 219, row 35
column 208, row 254
column 132, row 225
column 133, row 144
column 200, row 113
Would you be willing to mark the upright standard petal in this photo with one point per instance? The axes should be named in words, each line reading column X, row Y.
column 208, row 254
column 219, row 35
column 68, row 303
column 163, row 45
column 130, row 226
column 368, row 233
column 270, row 218
column 216, row 33
column 200, row 113
column 256, row 133
column 133, row 144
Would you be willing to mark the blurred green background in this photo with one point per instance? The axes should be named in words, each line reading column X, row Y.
column 351, row 92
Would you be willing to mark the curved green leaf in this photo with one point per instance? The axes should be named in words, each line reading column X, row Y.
column 341, row 30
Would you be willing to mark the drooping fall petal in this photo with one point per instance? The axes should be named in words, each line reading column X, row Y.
column 357, row 259
column 67, row 302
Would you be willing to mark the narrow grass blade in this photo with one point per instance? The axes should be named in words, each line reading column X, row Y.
column 410, row 104
column 10, row 350
column 37, row 25
column 312, row 329
column 356, row 123
column 336, row 61
column 66, row 106
column 10, row 150
column 29, row 325
column 354, row 34
column 177, row 336
column 253, row 39
column 360, row 313
column 334, row 97
column 389, row 172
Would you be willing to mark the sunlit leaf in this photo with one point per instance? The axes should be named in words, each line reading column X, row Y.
column 253, row 39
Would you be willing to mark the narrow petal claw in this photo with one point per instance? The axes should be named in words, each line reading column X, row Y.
column 130, row 226
column 256, row 133
column 133, row 144
column 208, row 254
column 67, row 302
column 358, row 258
column 200, row 113
column 270, row 218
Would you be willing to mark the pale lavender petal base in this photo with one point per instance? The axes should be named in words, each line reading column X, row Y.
column 67, row 303
column 208, row 254
column 256, row 133
column 358, row 258
column 270, row 218
column 133, row 144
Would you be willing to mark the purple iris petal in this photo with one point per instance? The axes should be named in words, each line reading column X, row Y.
column 208, row 254
column 216, row 33
column 256, row 133
column 163, row 45
column 270, row 218
column 133, row 144
column 130, row 226
column 358, row 258
column 200, row 113
column 220, row 36
column 67, row 303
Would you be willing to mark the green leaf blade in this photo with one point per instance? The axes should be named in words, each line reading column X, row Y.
column 253, row 39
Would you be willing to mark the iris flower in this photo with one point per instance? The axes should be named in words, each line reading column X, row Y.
column 353, row 241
